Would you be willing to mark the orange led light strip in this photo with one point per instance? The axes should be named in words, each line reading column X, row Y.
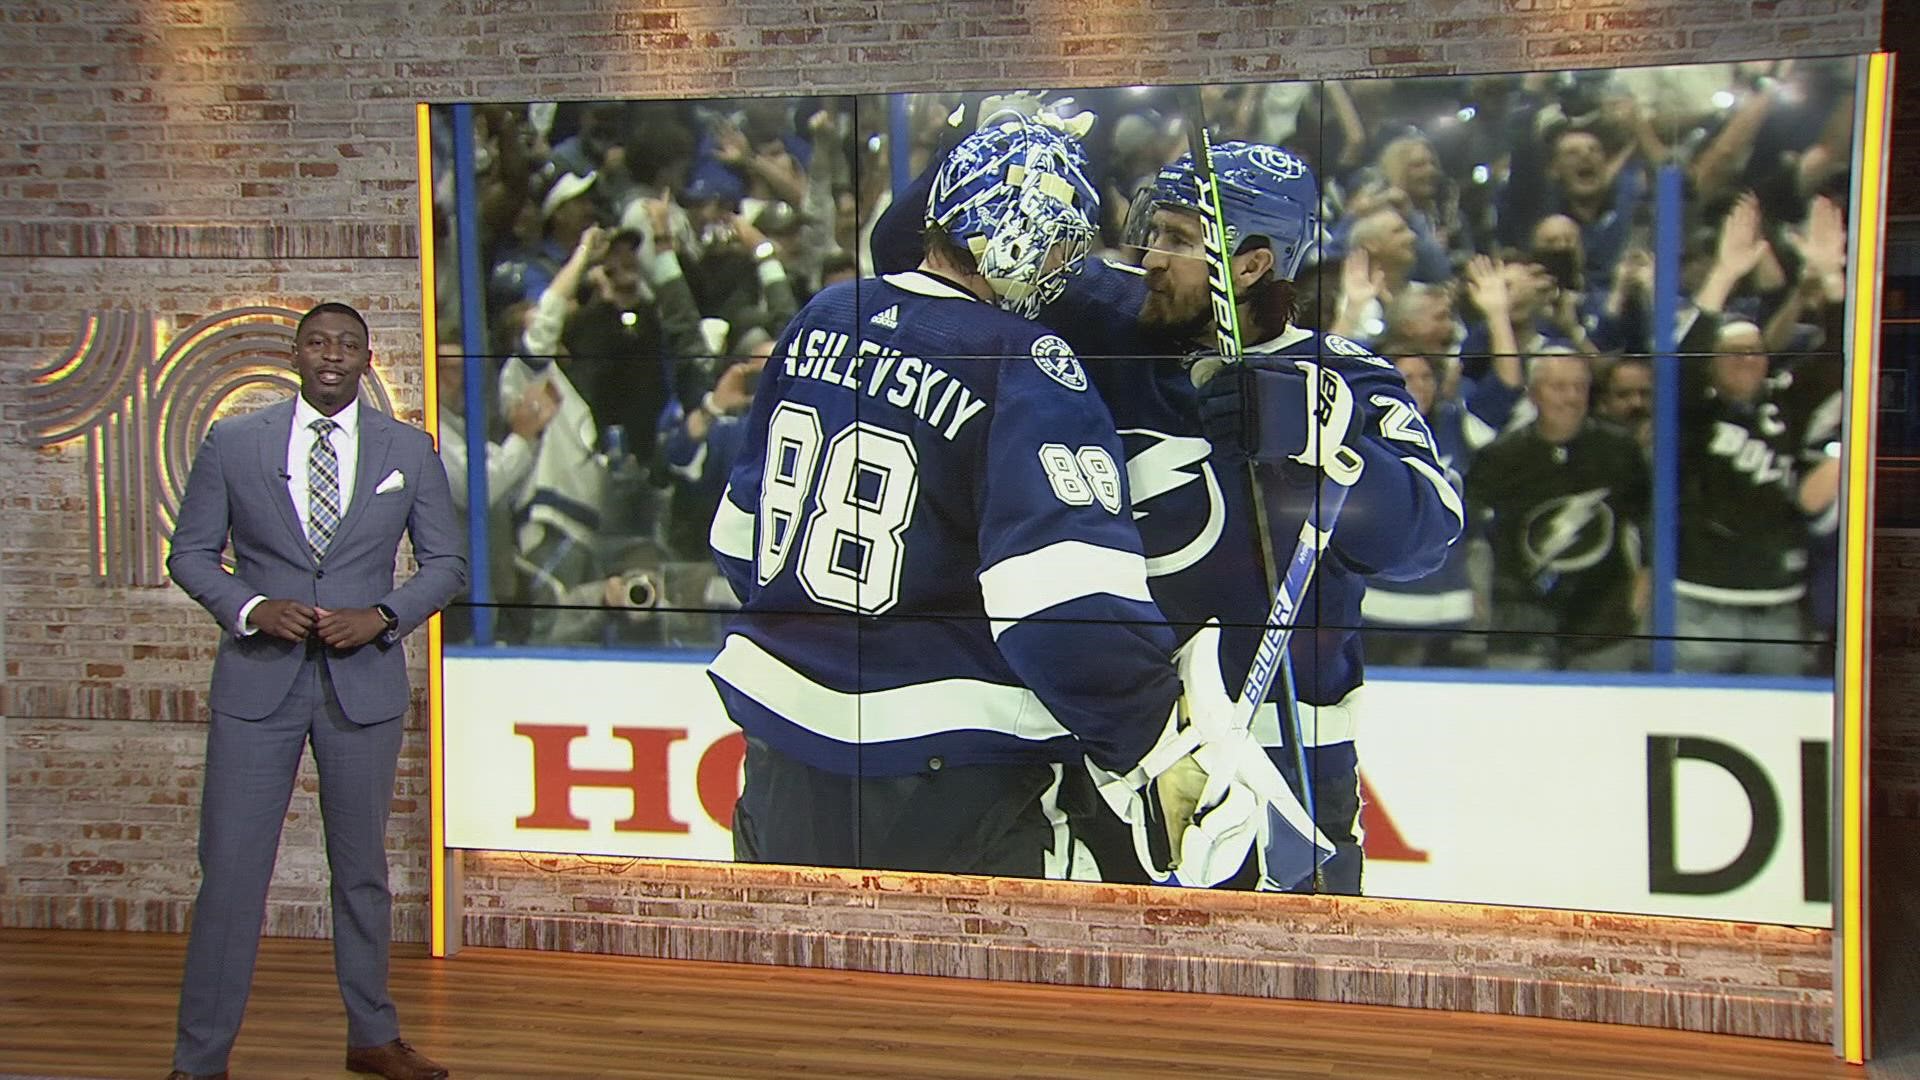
column 1869, row 221
column 430, row 408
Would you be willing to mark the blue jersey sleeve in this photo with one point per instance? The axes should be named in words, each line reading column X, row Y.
column 1099, row 313
column 732, row 536
column 1403, row 513
column 1062, row 575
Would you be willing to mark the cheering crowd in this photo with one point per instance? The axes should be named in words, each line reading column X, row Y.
column 1493, row 237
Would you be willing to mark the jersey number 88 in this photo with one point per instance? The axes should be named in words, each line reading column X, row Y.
column 864, row 482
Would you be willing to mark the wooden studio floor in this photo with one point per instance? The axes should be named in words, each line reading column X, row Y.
column 99, row 1005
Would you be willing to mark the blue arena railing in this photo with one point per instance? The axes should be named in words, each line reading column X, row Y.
column 473, row 343
column 1485, row 676
column 1669, row 230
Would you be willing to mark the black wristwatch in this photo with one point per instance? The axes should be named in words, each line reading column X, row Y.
column 393, row 621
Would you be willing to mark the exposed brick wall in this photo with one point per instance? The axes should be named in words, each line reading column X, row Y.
column 1902, row 35
column 1895, row 690
column 186, row 158
column 1708, row 976
column 1895, row 746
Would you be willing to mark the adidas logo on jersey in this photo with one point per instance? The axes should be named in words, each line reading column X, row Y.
column 888, row 319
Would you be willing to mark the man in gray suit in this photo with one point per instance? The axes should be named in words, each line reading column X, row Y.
column 313, row 494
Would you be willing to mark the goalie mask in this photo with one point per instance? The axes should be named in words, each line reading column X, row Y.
column 1014, row 195
column 1266, row 194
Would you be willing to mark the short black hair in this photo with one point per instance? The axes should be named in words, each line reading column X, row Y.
column 1607, row 365
column 333, row 307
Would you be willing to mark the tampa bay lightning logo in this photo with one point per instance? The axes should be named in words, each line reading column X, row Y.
column 1570, row 533
column 1055, row 357
column 1177, row 502
column 1280, row 163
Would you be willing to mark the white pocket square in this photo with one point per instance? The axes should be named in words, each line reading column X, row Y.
column 393, row 482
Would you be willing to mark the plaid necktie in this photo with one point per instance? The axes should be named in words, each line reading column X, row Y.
column 323, row 488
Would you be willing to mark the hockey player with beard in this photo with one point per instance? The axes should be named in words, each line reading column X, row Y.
column 1296, row 398
column 929, row 532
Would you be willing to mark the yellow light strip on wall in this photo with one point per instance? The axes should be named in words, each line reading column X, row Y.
column 430, row 407
column 99, row 503
column 80, row 350
column 1868, row 226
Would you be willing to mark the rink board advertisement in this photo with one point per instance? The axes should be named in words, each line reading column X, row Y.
column 1691, row 801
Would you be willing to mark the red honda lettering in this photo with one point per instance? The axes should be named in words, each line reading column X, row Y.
column 719, row 778
column 554, row 779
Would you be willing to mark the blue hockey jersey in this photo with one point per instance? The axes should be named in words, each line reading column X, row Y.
column 929, row 530
column 1192, row 507
column 1197, row 523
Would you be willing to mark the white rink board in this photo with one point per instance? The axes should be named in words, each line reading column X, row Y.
column 1537, row 794
column 1532, row 794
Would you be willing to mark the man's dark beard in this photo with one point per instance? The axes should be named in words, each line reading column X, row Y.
column 1195, row 328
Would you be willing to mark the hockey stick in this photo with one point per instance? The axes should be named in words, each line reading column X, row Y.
column 1213, row 238
column 1270, row 657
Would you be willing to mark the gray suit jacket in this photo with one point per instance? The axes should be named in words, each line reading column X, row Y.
column 237, row 491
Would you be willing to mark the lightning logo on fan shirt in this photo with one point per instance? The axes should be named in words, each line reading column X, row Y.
column 1570, row 533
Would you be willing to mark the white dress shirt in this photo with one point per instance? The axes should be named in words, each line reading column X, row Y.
column 345, row 440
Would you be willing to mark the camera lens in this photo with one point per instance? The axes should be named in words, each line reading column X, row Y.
column 640, row 591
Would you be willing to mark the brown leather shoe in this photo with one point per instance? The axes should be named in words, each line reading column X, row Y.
column 395, row 1061
column 178, row 1074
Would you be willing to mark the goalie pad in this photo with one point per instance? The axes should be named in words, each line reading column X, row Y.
column 1206, row 793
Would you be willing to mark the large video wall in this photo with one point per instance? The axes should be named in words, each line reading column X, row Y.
column 793, row 545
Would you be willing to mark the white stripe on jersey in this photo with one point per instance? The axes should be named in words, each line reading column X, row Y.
column 732, row 531
column 921, row 284
column 879, row 716
column 1416, row 609
column 1448, row 497
column 1320, row 725
column 1023, row 585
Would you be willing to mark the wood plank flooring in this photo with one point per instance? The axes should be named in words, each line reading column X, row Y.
column 97, row 1005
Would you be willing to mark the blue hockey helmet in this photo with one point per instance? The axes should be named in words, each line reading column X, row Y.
column 1016, row 196
column 1266, row 193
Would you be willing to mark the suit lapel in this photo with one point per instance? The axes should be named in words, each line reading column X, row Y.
column 276, row 435
column 372, row 465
